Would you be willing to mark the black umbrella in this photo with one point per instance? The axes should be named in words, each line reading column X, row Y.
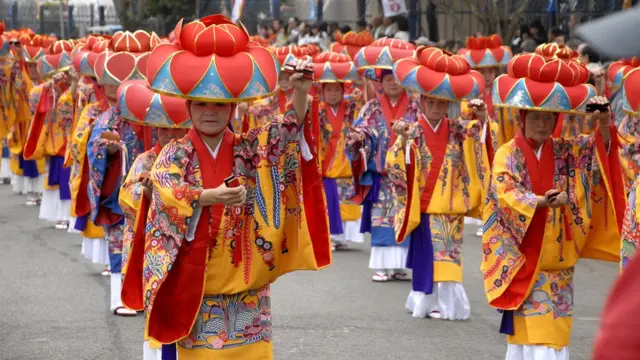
column 616, row 35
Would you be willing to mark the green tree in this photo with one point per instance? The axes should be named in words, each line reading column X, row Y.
column 171, row 11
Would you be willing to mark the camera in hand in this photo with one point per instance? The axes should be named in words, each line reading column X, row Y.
column 307, row 73
column 599, row 107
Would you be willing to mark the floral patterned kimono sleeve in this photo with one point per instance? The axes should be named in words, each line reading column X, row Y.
column 405, row 174
column 631, row 227
column 478, row 171
column 176, row 190
column 365, row 123
column 65, row 114
column 104, row 205
column 594, row 227
column 131, row 190
column 509, row 211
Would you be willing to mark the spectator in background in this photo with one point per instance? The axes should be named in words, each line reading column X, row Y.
column 345, row 29
column 278, row 29
column 333, row 30
column 361, row 25
column 403, row 29
column 557, row 36
column 592, row 61
column 377, row 27
column 304, row 36
column 263, row 31
column 390, row 27
column 516, row 42
column 319, row 35
column 293, row 29
column 538, row 32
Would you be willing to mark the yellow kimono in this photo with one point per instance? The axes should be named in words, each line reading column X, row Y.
column 435, row 187
column 79, row 178
column 508, row 125
column 214, row 301
column 336, row 166
column 19, row 117
column 529, row 254
column 629, row 130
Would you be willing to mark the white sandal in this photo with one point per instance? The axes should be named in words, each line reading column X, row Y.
column 380, row 277
column 123, row 311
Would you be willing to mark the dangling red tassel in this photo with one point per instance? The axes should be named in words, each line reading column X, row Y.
column 315, row 124
column 245, row 123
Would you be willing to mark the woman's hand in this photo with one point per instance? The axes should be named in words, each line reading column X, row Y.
column 479, row 109
column 235, row 196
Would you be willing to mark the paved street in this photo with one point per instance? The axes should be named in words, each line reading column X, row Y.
column 54, row 305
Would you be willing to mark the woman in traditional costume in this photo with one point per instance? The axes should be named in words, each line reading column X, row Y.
column 551, row 202
column 114, row 144
column 616, row 74
column 229, row 213
column 631, row 106
column 91, row 102
column 5, row 166
column 487, row 55
column 50, row 103
column 336, row 113
column 28, row 174
column 137, row 103
column 369, row 140
column 629, row 127
column 437, row 180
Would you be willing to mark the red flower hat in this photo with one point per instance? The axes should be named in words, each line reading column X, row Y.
column 223, row 65
column 34, row 48
column 351, row 42
column 126, row 57
column 618, row 70
column 486, row 51
column 290, row 53
column 58, row 59
column 631, row 93
column 334, row 67
column 439, row 74
column 84, row 55
column 545, row 83
column 383, row 53
column 139, row 104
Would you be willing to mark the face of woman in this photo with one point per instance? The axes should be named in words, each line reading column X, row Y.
column 333, row 93
column 32, row 71
column 283, row 81
column 166, row 135
column 210, row 119
column 390, row 86
column 489, row 74
column 110, row 91
column 539, row 125
column 435, row 109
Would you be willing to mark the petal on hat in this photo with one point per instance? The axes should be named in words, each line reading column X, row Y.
column 197, row 66
column 631, row 93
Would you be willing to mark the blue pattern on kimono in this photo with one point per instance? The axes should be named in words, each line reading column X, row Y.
column 378, row 210
column 99, row 162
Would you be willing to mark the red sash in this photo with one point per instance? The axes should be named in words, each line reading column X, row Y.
column 541, row 174
column 109, row 186
column 336, row 122
column 179, row 298
column 489, row 144
column 83, row 206
column 393, row 113
column 37, row 124
column 613, row 169
column 282, row 102
column 437, row 143
column 315, row 208
column 132, row 293
column 489, row 102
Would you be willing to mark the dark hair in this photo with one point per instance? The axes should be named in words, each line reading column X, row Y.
column 591, row 54
column 362, row 23
column 278, row 21
column 524, row 29
column 403, row 23
column 555, row 32
column 345, row 29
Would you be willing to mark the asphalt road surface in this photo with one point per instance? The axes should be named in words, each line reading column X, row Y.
column 54, row 305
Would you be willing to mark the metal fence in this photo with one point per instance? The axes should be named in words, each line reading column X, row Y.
column 46, row 18
column 449, row 19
